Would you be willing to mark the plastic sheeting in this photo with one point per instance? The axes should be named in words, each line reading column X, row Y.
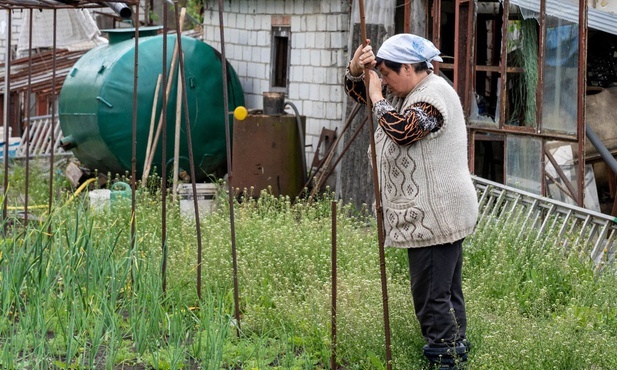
column 76, row 30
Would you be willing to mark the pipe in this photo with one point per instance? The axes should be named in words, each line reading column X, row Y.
column 123, row 10
column 601, row 148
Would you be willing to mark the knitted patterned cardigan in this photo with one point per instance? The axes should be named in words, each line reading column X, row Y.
column 428, row 197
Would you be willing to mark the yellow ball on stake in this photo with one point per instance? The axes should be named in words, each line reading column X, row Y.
column 240, row 113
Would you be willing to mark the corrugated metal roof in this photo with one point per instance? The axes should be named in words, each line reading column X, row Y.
column 42, row 72
column 568, row 10
column 57, row 4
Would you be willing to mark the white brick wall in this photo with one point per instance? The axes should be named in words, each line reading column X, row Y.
column 319, row 37
column 16, row 20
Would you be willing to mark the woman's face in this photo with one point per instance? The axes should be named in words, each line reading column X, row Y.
column 400, row 83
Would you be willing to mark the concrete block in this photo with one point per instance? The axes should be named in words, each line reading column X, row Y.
column 332, row 23
column 338, row 40
column 321, row 22
column 250, row 22
column 264, row 38
column 331, row 111
column 240, row 68
column 252, row 38
column 305, row 92
column 243, row 37
column 240, row 21
column 320, row 40
column 289, row 7
column 260, row 71
column 339, row 6
column 314, row 92
column 315, row 58
column 299, row 6
column 294, row 92
column 324, row 92
column 326, row 58
column 311, row 23
column 295, row 57
column 295, row 24
column 318, row 76
column 310, row 40
column 265, row 55
column 272, row 7
column 232, row 36
column 305, row 57
column 307, row 110
column 232, row 20
column 266, row 23
column 298, row 41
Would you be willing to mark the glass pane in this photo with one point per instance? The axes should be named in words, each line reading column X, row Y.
column 523, row 167
column 485, row 106
column 523, row 80
column 560, row 90
column 561, row 185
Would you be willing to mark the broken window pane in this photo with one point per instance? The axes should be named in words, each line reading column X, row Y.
column 523, row 167
column 559, row 111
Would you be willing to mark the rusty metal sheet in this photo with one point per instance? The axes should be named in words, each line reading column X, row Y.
column 266, row 155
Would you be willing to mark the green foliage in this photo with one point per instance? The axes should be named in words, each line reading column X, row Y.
column 85, row 296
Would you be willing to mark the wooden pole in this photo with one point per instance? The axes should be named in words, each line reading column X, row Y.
column 174, row 190
column 170, row 81
column 152, row 121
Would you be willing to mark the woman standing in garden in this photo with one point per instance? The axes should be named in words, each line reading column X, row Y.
column 429, row 201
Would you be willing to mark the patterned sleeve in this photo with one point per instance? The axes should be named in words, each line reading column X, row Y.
column 415, row 123
column 354, row 86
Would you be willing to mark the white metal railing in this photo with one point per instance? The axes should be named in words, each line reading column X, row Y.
column 39, row 133
column 546, row 220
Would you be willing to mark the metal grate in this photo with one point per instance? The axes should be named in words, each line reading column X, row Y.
column 546, row 220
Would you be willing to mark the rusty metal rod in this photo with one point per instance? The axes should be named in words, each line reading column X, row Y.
column 571, row 191
column 229, row 172
column 134, row 136
column 334, row 277
column 331, row 151
column 28, row 128
column 581, row 83
column 347, row 146
column 380, row 231
column 7, row 96
column 163, row 126
column 189, row 144
column 53, row 118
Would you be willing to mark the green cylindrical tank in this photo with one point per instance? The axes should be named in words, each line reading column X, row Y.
column 96, row 104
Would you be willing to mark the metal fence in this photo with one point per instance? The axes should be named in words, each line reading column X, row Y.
column 543, row 220
column 39, row 134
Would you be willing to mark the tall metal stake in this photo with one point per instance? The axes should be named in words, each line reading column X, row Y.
column 334, row 277
column 52, row 122
column 229, row 171
column 7, row 97
column 134, row 135
column 189, row 141
column 163, row 125
column 380, row 232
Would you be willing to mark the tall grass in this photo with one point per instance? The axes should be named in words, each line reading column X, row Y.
column 79, row 297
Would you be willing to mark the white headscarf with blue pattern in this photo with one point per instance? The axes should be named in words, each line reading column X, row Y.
column 406, row 48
